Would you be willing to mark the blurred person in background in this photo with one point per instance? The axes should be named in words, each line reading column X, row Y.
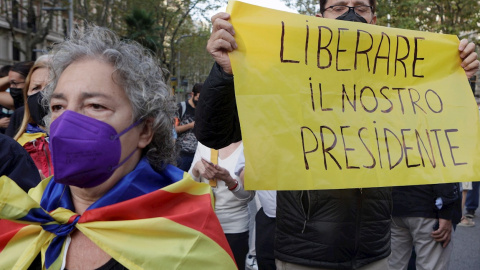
column 218, row 168
column 186, row 140
column 5, row 112
column 32, row 134
column 16, row 78
column 466, row 221
column 471, row 203
column 15, row 100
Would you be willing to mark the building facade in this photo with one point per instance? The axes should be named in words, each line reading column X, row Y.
column 28, row 28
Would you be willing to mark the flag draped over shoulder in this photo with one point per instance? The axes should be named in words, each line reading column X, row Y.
column 149, row 220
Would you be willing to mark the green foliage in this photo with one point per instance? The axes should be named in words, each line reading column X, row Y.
column 457, row 17
column 194, row 60
column 307, row 7
column 402, row 13
column 442, row 16
column 106, row 13
column 156, row 24
column 142, row 27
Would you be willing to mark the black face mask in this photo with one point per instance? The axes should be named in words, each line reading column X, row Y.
column 17, row 96
column 37, row 110
column 351, row 16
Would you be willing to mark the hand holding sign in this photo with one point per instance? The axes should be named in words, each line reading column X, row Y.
column 221, row 41
column 470, row 62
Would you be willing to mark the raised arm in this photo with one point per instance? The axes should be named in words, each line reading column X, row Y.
column 216, row 117
column 469, row 57
column 221, row 41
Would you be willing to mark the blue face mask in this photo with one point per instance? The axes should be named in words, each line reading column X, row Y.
column 351, row 16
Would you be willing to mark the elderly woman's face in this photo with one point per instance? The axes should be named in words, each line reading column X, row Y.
column 87, row 87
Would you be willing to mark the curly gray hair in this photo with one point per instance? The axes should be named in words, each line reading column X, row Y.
column 139, row 75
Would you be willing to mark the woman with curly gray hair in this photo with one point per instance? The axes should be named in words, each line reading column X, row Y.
column 114, row 201
column 140, row 77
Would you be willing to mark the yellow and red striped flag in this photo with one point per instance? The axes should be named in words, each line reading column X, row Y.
column 137, row 224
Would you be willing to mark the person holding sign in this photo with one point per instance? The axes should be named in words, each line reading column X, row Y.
column 316, row 229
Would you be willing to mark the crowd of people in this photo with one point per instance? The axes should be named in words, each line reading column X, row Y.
column 92, row 133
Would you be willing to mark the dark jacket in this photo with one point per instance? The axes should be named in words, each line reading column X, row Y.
column 419, row 201
column 17, row 164
column 216, row 117
column 338, row 229
column 334, row 229
column 15, row 122
column 4, row 112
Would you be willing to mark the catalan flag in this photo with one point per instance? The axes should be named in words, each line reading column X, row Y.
column 148, row 220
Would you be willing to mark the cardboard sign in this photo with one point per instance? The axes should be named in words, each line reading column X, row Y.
column 328, row 104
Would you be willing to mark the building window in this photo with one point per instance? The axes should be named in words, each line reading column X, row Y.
column 65, row 27
column 15, row 51
column 15, row 13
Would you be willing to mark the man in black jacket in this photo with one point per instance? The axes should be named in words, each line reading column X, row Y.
column 318, row 229
column 422, row 217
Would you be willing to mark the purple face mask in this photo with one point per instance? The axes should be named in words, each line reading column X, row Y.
column 85, row 151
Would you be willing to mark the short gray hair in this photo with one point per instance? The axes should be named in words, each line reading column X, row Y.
column 139, row 75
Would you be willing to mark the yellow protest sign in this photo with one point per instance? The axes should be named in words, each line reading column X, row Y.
column 327, row 104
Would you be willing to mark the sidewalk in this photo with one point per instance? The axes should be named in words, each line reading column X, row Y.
column 466, row 248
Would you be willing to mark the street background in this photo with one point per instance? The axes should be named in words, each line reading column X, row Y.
column 466, row 247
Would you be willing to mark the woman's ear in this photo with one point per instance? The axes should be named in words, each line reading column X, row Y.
column 146, row 134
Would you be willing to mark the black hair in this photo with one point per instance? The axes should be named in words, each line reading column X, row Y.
column 197, row 88
column 22, row 68
column 4, row 70
column 373, row 3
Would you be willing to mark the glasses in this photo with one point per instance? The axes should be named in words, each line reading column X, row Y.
column 15, row 84
column 359, row 10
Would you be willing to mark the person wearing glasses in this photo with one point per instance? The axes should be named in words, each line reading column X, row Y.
column 14, row 98
column 357, row 13
column 16, row 78
column 315, row 229
column 5, row 112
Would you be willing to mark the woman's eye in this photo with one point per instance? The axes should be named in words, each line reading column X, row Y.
column 56, row 107
column 97, row 106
